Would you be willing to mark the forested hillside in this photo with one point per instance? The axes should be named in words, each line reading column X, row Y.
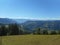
column 15, row 29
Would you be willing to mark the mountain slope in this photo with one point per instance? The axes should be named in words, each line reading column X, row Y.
column 51, row 25
column 6, row 21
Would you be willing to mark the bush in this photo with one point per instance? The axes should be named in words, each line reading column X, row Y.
column 45, row 32
column 53, row 32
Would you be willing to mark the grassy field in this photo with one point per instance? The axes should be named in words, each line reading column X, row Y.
column 31, row 40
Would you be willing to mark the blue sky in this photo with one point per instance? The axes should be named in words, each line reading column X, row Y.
column 30, row 9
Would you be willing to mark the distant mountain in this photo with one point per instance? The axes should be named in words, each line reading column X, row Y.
column 7, row 21
column 48, row 24
column 21, row 20
column 12, row 21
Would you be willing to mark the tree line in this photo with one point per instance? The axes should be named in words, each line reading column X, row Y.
column 41, row 31
column 15, row 29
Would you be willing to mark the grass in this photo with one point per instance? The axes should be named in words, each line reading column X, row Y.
column 31, row 40
column 0, row 40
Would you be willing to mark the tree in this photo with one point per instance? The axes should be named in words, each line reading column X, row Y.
column 0, row 31
column 53, row 32
column 37, row 31
column 14, row 30
column 21, row 30
column 58, row 31
column 3, row 31
column 45, row 32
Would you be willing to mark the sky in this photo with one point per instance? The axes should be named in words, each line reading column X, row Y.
column 30, row 9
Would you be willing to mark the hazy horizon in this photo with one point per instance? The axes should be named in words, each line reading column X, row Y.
column 32, row 18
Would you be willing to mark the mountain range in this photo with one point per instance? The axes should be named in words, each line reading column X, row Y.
column 32, row 24
column 12, row 21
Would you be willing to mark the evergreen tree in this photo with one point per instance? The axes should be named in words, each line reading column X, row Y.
column 36, row 31
column 45, row 32
column 53, row 32
column 14, row 30
column 3, row 30
column 59, row 32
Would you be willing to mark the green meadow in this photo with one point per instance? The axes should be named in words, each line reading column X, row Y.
column 31, row 40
